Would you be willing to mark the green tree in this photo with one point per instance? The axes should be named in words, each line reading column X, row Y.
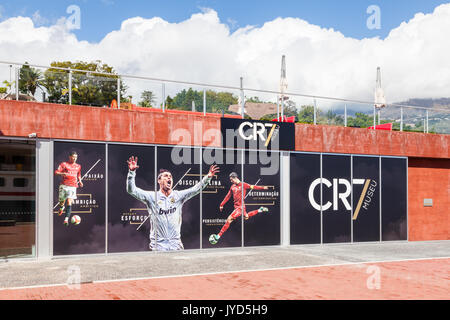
column 8, row 84
column 331, row 118
column 183, row 100
column 215, row 101
column 169, row 103
column 88, row 88
column 29, row 79
column 360, row 120
column 306, row 114
column 147, row 99
column 290, row 109
column 254, row 99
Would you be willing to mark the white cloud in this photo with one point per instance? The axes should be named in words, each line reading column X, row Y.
column 413, row 57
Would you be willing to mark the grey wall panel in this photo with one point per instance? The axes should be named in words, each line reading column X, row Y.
column 44, row 195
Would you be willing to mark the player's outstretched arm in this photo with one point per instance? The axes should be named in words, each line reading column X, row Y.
column 79, row 178
column 134, row 191
column 255, row 187
column 225, row 200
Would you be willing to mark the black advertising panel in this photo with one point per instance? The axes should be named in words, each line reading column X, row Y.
column 393, row 197
column 261, row 198
column 84, row 232
column 336, row 196
column 221, row 209
column 184, row 166
column 256, row 134
column 304, row 198
column 366, row 199
column 128, row 218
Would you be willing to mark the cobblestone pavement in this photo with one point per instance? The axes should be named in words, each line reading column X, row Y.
column 397, row 270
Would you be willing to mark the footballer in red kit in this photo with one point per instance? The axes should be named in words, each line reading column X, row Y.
column 238, row 190
column 70, row 172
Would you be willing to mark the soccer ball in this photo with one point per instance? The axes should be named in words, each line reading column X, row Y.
column 212, row 239
column 75, row 219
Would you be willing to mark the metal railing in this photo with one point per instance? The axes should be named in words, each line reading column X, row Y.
column 100, row 89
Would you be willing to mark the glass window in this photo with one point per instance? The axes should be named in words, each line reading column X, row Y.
column 18, row 159
column 336, row 196
column 20, row 182
column 17, row 208
column 366, row 199
column 305, row 217
column 394, row 199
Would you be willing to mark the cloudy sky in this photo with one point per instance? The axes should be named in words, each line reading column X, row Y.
column 331, row 48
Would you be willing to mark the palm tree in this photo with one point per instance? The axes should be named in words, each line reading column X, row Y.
column 29, row 79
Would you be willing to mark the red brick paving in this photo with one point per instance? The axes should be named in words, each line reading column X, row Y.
column 419, row 279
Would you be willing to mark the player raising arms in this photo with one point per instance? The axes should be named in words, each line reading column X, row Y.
column 71, row 176
column 239, row 206
column 165, row 206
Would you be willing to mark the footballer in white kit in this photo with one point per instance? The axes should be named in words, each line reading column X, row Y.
column 165, row 206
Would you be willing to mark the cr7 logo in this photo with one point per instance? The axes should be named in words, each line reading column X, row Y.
column 364, row 199
column 258, row 129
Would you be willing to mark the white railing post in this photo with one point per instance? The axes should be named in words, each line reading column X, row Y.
column 242, row 98
column 278, row 108
column 315, row 112
column 345, row 115
column 70, row 87
column 374, row 117
column 118, row 93
column 204, row 102
column 163, row 88
column 17, row 83
column 401, row 119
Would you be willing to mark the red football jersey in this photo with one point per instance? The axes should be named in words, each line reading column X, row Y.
column 236, row 190
column 73, row 174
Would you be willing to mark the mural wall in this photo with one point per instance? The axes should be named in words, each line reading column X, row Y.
column 129, row 198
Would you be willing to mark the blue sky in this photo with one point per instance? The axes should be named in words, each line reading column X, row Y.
column 99, row 17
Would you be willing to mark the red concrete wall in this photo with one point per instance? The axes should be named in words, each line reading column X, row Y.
column 322, row 138
column 19, row 118
column 428, row 179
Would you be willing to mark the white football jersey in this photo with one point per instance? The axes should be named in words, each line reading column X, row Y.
column 165, row 212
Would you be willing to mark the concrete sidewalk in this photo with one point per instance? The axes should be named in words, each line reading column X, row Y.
column 16, row 273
